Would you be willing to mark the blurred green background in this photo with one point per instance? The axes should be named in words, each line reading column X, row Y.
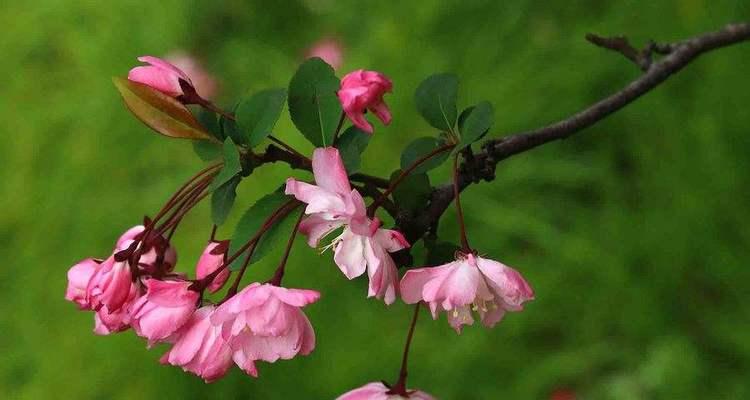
column 633, row 234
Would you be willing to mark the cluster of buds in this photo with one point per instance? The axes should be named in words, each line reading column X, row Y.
column 137, row 286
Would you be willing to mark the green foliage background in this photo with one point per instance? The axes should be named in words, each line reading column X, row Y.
column 633, row 233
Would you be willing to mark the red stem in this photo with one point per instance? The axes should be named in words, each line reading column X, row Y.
column 279, row 274
column 400, row 387
column 459, row 210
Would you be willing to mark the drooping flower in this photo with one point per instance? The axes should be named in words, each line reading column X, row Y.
column 110, row 286
column 203, row 81
column 468, row 283
column 212, row 258
column 199, row 347
column 157, row 255
column 266, row 322
column 166, row 306
column 106, row 322
column 361, row 91
column 159, row 75
column 378, row 391
column 79, row 276
column 363, row 245
column 329, row 50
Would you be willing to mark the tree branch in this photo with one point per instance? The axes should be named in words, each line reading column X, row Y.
column 481, row 166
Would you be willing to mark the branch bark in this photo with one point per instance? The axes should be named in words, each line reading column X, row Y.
column 482, row 165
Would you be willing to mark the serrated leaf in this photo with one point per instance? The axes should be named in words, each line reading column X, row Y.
column 257, row 114
column 222, row 200
column 351, row 144
column 159, row 111
column 419, row 148
column 474, row 123
column 413, row 192
column 252, row 220
column 231, row 167
column 436, row 100
column 313, row 105
column 207, row 150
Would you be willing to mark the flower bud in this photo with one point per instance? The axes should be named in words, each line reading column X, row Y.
column 159, row 75
column 212, row 258
column 361, row 91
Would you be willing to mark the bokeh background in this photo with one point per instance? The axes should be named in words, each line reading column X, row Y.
column 633, row 233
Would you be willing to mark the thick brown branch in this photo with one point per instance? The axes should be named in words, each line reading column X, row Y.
column 482, row 165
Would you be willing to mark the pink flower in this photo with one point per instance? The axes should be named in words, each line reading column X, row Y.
column 79, row 276
column 106, row 322
column 329, row 50
column 361, row 91
column 203, row 81
column 159, row 75
column 378, row 391
column 166, row 306
column 200, row 348
column 469, row 283
column 110, row 286
column 362, row 246
column 158, row 254
column 212, row 258
column 266, row 322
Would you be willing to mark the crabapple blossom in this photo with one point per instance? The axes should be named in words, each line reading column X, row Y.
column 468, row 283
column 79, row 276
column 160, row 75
column 203, row 81
column 266, row 322
column 156, row 253
column 212, row 258
column 379, row 391
column 163, row 309
column 361, row 91
column 106, row 322
column 363, row 245
column 111, row 285
column 199, row 347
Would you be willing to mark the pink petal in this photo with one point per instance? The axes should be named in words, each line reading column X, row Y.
column 349, row 255
column 329, row 171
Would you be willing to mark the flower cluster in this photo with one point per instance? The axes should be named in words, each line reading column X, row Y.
column 137, row 286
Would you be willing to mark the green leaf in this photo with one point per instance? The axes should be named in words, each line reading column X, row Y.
column 229, row 128
column 436, row 100
column 159, row 111
column 232, row 165
column 413, row 192
column 313, row 105
column 419, row 148
column 274, row 236
column 474, row 123
column 257, row 115
column 210, row 122
column 252, row 220
column 222, row 200
column 207, row 150
column 351, row 144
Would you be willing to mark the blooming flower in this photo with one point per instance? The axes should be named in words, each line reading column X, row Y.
column 106, row 322
column 378, row 391
column 203, row 81
column 363, row 245
column 329, row 50
column 266, row 322
column 212, row 258
column 469, row 283
column 199, row 347
column 79, row 276
column 166, row 306
column 361, row 91
column 159, row 75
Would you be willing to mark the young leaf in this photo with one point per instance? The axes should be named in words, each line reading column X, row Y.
column 257, row 115
column 413, row 192
column 351, row 144
column 232, row 165
column 159, row 111
column 222, row 200
column 313, row 105
column 436, row 100
column 207, row 150
column 253, row 220
column 210, row 122
column 420, row 148
column 474, row 123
